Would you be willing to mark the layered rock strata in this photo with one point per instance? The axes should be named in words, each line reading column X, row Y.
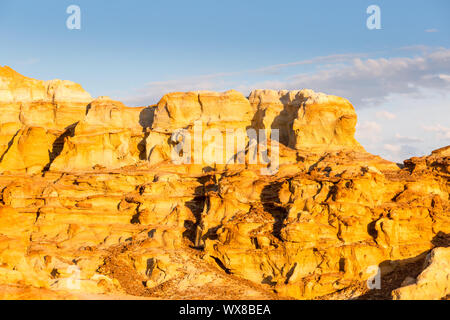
column 92, row 205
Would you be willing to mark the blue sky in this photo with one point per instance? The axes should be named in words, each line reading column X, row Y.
column 398, row 78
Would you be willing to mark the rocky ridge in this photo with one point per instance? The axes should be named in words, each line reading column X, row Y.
column 91, row 205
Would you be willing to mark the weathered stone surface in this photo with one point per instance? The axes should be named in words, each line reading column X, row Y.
column 434, row 281
column 306, row 119
column 212, row 112
column 111, row 135
column 17, row 88
column 92, row 205
column 181, row 109
column 28, row 151
column 53, row 104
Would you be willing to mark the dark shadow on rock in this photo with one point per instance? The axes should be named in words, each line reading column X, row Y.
column 197, row 205
column 88, row 107
column 135, row 219
column 9, row 145
column 271, row 202
column 400, row 165
column 314, row 165
column 269, row 281
column 290, row 273
column 283, row 121
column 142, row 146
column 221, row 265
column 441, row 239
column 394, row 272
column 151, row 263
column 371, row 230
column 341, row 265
column 58, row 145
column 146, row 117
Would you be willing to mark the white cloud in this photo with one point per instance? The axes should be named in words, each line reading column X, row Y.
column 27, row 62
column 153, row 91
column 431, row 30
column 364, row 81
column 373, row 81
column 370, row 126
column 406, row 130
column 405, row 139
column 400, row 152
column 413, row 86
column 444, row 77
column 328, row 60
column 385, row 115
column 441, row 131
column 392, row 148
column 368, row 131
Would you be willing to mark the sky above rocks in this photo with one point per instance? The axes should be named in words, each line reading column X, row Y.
column 397, row 77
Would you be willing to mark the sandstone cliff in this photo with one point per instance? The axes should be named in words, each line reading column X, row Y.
column 306, row 119
column 92, row 205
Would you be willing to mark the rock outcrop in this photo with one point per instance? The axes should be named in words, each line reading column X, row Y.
column 111, row 135
column 306, row 119
column 53, row 104
column 210, row 111
column 28, row 151
column 433, row 283
column 93, row 205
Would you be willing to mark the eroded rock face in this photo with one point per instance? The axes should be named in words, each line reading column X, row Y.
column 111, row 135
column 210, row 111
column 306, row 119
column 181, row 109
column 91, row 205
column 309, row 233
column 28, row 151
column 53, row 104
column 433, row 283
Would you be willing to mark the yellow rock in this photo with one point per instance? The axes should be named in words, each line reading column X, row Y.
column 434, row 281
column 90, row 195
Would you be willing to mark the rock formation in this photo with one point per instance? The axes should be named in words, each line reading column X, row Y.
column 306, row 119
column 92, row 204
column 433, row 283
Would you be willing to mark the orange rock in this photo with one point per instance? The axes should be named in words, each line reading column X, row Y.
column 92, row 205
